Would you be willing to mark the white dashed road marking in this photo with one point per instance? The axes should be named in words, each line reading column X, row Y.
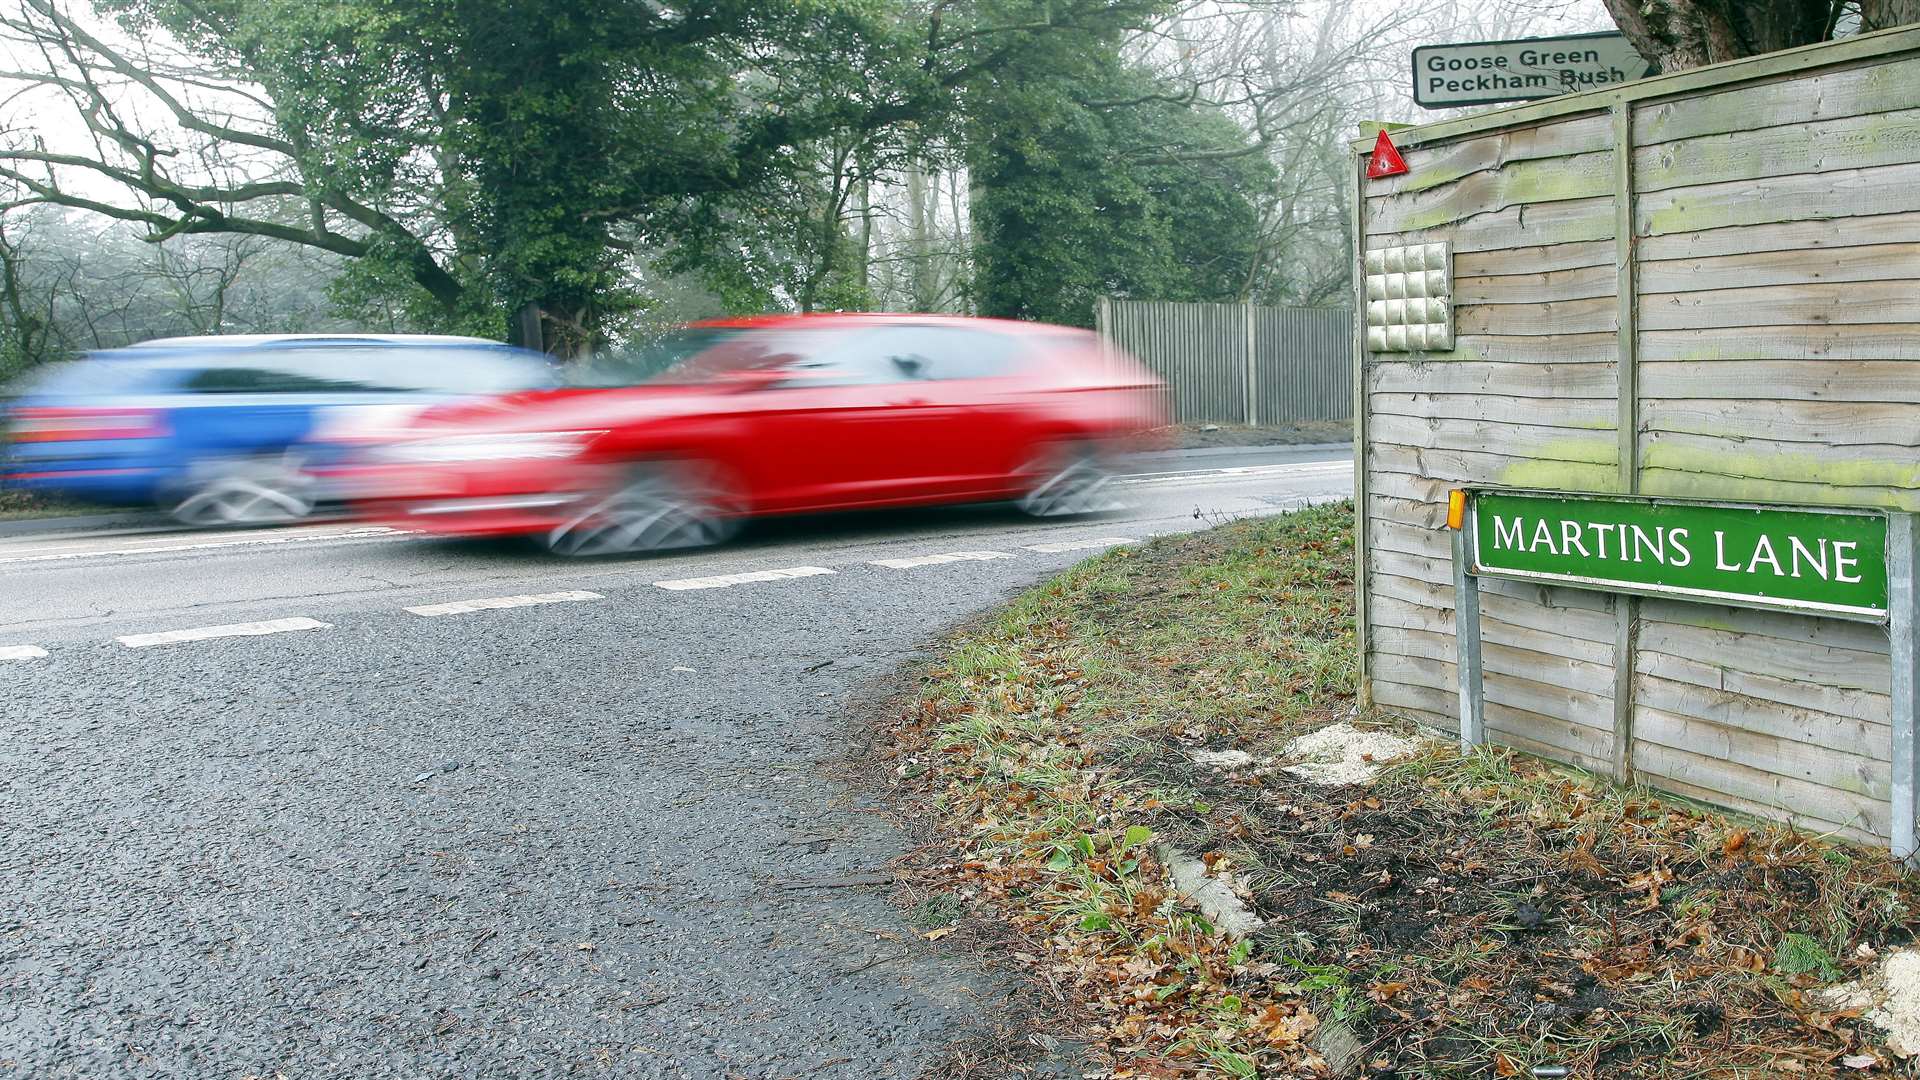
column 245, row 629
column 1240, row 472
column 164, row 545
column 936, row 560
column 21, row 652
column 461, row 607
column 721, row 581
column 1082, row 545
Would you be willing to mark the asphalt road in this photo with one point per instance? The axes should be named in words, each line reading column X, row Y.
column 577, row 829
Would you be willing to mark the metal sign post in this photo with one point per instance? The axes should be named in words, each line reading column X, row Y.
column 1820, row 561
column 1466, row 637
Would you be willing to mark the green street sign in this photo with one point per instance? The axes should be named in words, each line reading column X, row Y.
column 1833, row 562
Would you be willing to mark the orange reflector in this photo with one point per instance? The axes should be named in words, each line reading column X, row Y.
column 1456, row 508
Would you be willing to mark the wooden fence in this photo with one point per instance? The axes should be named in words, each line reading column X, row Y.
column 1240, row 363
column 1701, row 285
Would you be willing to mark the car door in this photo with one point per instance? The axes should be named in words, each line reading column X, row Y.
column 954, row 422
column 831, row 430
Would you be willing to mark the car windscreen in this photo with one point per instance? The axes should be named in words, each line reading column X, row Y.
column 671, row 357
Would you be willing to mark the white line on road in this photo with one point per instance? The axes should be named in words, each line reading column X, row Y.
column 721, row 581
column 461, row 607
column 21, row 652
column 1241, row 472
column 936, row 560
column 1082, row 545
column 245, row 629
column 159, row 547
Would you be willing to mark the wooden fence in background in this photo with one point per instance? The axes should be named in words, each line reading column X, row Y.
column 1240, row 363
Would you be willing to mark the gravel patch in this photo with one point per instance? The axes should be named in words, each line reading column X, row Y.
column 1343, row 754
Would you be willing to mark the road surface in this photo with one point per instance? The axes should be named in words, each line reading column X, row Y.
column 342, row 801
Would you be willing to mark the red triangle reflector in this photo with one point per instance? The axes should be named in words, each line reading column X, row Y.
column 1386, row 160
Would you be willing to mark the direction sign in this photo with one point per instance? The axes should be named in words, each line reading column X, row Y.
column 1831, row 562
column 1485, row 72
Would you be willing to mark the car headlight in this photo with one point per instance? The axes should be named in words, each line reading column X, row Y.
column 514, row 446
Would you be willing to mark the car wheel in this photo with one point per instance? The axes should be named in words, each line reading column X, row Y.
column 1069, row 480
column 661, row 506
column 253, row 492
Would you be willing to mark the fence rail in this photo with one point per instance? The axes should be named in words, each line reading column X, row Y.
column 1240, row 363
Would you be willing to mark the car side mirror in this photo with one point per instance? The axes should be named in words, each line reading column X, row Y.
column 910, row 366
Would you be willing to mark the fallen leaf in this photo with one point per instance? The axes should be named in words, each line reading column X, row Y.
column 936, row 935
column 1385, row 991
column 1504, row 1066
column 1860, row 1061
column 1735, row 840
column 1364, row 840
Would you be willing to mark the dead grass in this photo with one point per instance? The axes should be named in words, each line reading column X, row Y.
column 1465, row 916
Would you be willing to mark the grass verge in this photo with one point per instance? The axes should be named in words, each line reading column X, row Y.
column 20, row 505
column 1461, row 917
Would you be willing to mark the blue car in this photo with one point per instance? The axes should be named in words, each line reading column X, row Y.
column 240, row 430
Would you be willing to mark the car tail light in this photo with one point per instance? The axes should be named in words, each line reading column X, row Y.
column 74, row 425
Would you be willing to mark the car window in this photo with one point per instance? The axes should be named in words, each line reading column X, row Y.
column 370, row 369
column 260, row 378
column 853, row 363
column 408, row 368
column 940, row 352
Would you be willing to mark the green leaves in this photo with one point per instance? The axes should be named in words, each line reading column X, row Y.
column 1092, row 179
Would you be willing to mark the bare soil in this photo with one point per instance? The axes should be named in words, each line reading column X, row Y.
column 1462, row 916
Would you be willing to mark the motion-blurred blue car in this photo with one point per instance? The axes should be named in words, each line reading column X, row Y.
column 239, row 430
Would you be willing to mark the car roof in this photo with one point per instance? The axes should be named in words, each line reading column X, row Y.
column 244, row 340
column 855, row 318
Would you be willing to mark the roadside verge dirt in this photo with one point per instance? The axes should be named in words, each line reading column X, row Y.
column 1487, row 915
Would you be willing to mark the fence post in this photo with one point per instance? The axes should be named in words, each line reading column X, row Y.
column 1626, row 609
column 1903, row 604
column 1253, row 378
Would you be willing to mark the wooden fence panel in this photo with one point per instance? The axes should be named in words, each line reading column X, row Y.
column 1700, row 286
column 1299, row 365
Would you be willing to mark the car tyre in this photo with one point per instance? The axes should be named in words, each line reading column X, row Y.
column 247, row 493
column 660, row 506
column 1068, row 480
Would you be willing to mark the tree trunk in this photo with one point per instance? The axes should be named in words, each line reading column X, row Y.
column 866, row 239
column 525, row 329
column 1881, row 14
column 1681, row 34
column 920, row 240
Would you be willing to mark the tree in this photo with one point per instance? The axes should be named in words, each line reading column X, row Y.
column 480, row 158
column 474, row 156
column 1090, row 179
column 1680, row 34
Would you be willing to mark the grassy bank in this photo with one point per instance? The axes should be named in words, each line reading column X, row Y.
column 1476, row 916
column 15, row 505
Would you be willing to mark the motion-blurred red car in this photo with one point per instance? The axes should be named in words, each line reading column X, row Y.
column 770, row 415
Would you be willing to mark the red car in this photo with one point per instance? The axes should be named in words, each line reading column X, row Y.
column 773, row 415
